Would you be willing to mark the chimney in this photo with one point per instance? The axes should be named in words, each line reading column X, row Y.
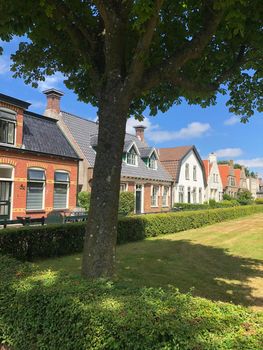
column 139, row 129
column 231, row 163
column 212, row 158
column 53, row 103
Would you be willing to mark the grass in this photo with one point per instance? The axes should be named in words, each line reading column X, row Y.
column 220, row 262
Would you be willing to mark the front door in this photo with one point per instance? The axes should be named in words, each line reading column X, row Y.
column 5, row 199
column 138, row 199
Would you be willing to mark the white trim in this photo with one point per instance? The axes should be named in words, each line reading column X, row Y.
column 7, row 166
column 44, row 189
column 63, row 183
column 136, row 148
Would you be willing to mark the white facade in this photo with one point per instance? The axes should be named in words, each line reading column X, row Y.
column 214, row 189
column 190, row 187
column 253, row 186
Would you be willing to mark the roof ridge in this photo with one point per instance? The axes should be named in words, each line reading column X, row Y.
column 39, row 116
column 77, row 116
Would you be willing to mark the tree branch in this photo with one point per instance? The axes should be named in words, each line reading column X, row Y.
column 143, row 46
column 191, row 50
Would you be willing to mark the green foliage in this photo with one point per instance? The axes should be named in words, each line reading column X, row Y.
column 30, row 243
column 126, row 203
column 227, row 197
column 259, row 200
column 84, row 199
column 50, row 311
column 245, row 197
column 211, row 205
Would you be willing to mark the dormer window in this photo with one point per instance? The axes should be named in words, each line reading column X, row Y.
column 153, row 161
column 7, row 126
column 132, row 157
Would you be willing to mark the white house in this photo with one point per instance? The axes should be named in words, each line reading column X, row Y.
column 214, row 189
column 188, row 173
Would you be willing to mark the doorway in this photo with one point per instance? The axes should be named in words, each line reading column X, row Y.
column 6, row 173
column 138, row 199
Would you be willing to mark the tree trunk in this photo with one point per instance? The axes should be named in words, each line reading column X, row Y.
column 101, row 230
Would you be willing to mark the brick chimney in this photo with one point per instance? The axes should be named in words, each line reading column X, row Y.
column 139, row 129
column 53, row 103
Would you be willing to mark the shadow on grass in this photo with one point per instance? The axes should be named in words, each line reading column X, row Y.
column 213, row 272
column 51, row 310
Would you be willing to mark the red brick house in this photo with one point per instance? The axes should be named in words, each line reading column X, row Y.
column 38, row 166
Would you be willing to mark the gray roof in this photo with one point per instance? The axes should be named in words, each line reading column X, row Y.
column 84, row 132
column 42, row 134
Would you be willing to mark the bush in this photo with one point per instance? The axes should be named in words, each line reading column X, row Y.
column 191, row 206
column 52, row 311
column 245, row 197
column 227, row 197
column 29, row 243
column 84, row 200
column 259, row 201
column 126, row 203
column 211, row 205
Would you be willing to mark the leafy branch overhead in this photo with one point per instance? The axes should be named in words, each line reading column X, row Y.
column 162, row 50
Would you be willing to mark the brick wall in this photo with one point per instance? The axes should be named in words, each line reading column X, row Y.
column 21, row 162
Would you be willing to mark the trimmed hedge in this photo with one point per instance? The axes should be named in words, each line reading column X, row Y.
column 211, row 205
column 29, row 243
column 53, row 311
column 259, row 200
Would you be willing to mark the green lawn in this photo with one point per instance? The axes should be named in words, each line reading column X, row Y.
column 221, row 262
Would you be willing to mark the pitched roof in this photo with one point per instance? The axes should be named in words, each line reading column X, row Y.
column 208, row 167
column 224, row 173
column 84, row 132
column 42, row 134
column 175, row 153
column 171, row 159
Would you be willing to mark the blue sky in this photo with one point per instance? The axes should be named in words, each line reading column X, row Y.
column 212, row 129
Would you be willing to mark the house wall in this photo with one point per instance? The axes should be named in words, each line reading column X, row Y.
column 253, row 186
column 199, row 183
column 147, row 195
column 20, row 163
column 214, row 189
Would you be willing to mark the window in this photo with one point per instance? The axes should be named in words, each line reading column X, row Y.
column 165, row 196
column 35, row 189
column 61, row 186
column 132, row 157
column 154, row 197
column 7, row 132
column 194, row 195
column 200, row 196
column 189, row 195
column 181, row 194
column 232, row 181
column 153, row 162
column 187, row 171
column 194, row 172
column 123, row 187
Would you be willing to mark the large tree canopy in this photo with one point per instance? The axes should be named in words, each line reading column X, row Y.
column 125, row 55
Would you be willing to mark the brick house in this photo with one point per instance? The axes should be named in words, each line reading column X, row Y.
column 38, row 166
column 228, row 177
column 188, row 173
column 142, row 172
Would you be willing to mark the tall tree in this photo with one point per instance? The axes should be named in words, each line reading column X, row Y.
column 125, row 55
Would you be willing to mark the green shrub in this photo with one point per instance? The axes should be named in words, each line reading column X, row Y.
column 245, row 197
column 259, row 200
column 84, row 200
column 30, row 243
column 207, row 205
column 126, row 203
column 191, row 206
column 53, row 311
column 227, row 197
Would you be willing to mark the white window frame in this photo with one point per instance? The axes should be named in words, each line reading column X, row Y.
column 125, row 187
column 64, row 183
column 11, row 122
column 43, row 192
column 187, row 171
column 194, row 197
column 135, row 157
column 200, row 195
column 155, row 199
column 195, row 173
column 153, row 162
column 165, row 198
column 11, row 179
column 181, row 193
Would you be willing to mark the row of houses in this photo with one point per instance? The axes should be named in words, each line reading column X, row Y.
column 46, row 160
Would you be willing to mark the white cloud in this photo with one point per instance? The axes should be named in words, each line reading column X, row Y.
column 192, row 130
column 229, row 152
column 232, row 120
column 50, row 82
column 252, row 163
column 37, row 104
column 4, row 64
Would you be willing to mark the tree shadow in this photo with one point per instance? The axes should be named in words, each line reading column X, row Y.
column 212, row 272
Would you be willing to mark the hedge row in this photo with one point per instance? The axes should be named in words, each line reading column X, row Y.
column 211, row 205
column 52, row 311
column 29, row 243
